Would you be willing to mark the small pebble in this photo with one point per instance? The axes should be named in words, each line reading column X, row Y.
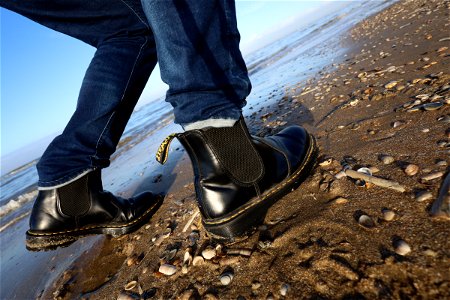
column 226, row 278
column 167, row 269
column 366, row 221
column 387, row 159
column 423, row 196
column 425, row 130
column 209, row 253
column 388, row 215
column 402, row 248
column 411, row 169
column 284, row 289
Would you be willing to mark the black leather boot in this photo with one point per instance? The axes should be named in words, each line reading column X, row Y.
column 238, row 177
column 63, row 215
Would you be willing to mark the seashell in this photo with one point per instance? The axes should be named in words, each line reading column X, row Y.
column 432, row 176
column 365, row 170
column 388, row 215
column 243, row 252
column 401, row 247
column 130, row 285
column 432, row 105
column 198, row 260
column 441, row 163
column 398, row 124
column 411, row 169
column 256, row 285
column 167, row 269
column 209, row 253
column 210, row 296
column 391, row 84
column 391, row 69
column 186, row 295
column 326, row 162
column 229, row 261
column 226, row 278
column 127, row 296
column 340, row 200
column 362, row 74
column 284, row 289
column 366, row 221
column 187, row 259
column 387, row 159
column 430, row 253
column 423, row 97
column 443, row 144
column 374, row 169
column 414, row 108
column 423, row 196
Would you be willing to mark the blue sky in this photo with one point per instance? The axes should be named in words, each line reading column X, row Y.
column 42, row 70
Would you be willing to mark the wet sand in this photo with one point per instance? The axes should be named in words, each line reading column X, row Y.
column 314, row 243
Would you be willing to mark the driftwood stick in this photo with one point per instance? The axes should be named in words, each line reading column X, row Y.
column 441, row 206
column 375, row 180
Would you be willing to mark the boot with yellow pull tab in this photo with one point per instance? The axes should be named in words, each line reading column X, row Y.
column 238, row 177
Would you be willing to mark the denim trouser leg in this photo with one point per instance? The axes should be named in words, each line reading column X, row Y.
column 115, row 78
column 199, row 57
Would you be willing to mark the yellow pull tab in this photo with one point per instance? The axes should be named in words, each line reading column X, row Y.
column 163, row 150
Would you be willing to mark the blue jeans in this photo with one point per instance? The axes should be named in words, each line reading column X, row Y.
column 195, row 42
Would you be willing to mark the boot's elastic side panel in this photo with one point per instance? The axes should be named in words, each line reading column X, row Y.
column 76, row 197
column 236, row 153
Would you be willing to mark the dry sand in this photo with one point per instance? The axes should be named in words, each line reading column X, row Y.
column 312, row 245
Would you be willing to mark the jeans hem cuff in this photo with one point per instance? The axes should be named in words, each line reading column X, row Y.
column 42, row 186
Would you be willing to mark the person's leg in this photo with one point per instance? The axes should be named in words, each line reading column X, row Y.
column 71, row 201
column 116, row 76
column 200, row 60
column 237, row 177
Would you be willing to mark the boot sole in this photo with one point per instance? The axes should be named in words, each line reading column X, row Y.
column 43, row 241
column 238, row 224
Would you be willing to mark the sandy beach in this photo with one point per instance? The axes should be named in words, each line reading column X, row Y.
column 384, row 106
